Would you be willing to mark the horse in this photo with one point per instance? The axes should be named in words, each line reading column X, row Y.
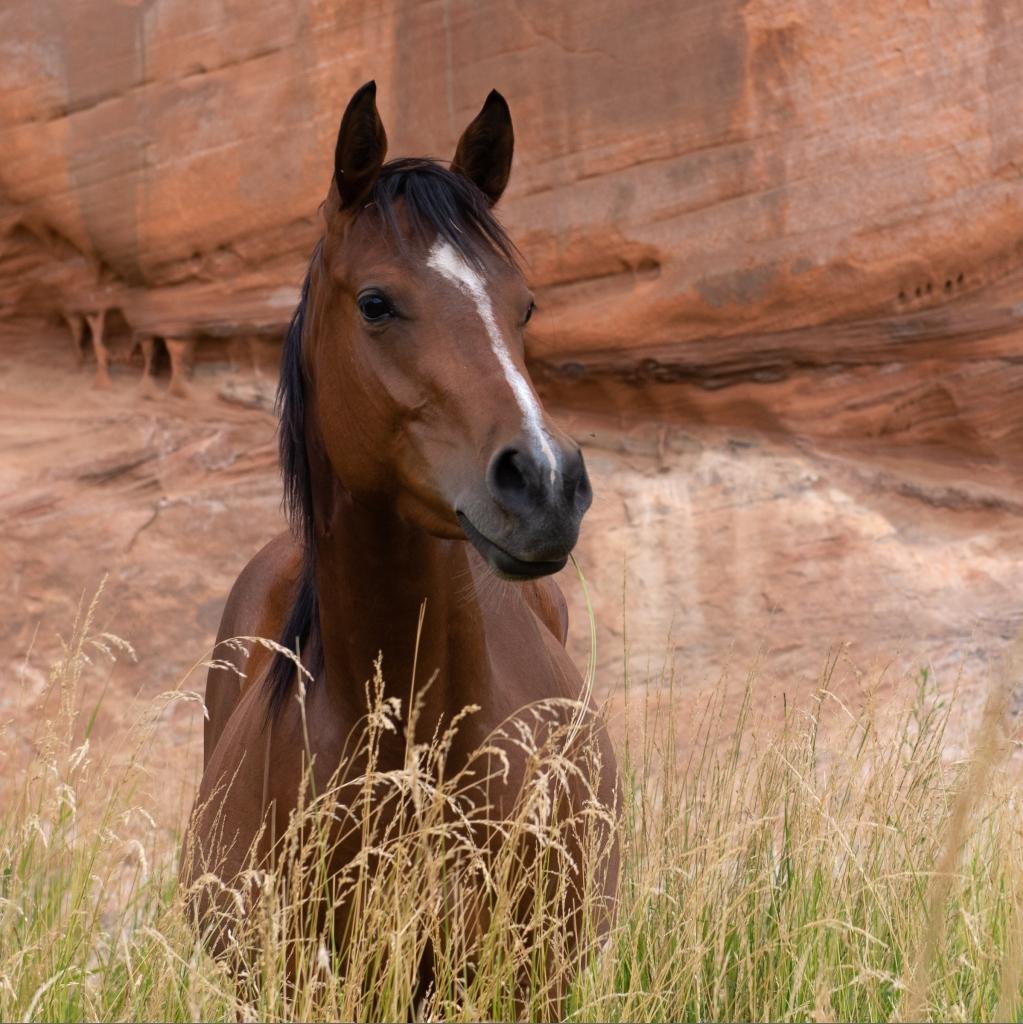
column 431, row 499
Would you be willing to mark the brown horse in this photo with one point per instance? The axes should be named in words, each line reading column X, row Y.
column 418, row 465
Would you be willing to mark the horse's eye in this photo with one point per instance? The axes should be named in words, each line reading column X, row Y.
column 374, row 307
column 529, row 312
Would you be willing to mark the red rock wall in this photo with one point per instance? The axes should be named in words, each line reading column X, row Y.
column 686, row 172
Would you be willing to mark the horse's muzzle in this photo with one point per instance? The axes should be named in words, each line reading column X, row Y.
column 530, row 525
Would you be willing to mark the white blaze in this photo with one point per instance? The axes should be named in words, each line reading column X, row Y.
column 447, row 261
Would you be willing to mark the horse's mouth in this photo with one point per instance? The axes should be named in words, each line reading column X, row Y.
column 504, row 564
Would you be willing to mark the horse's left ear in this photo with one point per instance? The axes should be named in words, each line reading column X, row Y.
column 484, row 153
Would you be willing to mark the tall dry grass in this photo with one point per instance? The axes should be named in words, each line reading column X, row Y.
column 762, row 878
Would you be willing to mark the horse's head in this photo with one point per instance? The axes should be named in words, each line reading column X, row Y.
column 413, row 350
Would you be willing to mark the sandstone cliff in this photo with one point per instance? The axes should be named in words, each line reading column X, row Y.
column 778, row 213
column 777, row 251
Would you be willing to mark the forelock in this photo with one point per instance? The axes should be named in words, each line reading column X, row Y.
column 437, row 204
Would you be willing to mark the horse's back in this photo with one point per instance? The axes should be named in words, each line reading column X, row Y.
column 256, row 606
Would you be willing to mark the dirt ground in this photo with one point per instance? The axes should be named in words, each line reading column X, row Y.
column 708, row 551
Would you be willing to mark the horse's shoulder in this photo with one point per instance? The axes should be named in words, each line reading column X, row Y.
column 266, row 582
column 256, row 606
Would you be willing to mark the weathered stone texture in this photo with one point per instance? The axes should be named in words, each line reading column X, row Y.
column 686, row 171
column 777, row 247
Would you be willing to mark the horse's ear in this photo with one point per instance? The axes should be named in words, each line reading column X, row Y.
column 484, row 153
column 361, row 147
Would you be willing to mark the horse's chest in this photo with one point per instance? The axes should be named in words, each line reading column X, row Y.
column 528, row 663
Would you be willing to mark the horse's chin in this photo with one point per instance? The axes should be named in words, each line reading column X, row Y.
column 504, row 564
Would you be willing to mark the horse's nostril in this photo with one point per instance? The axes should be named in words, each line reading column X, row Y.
column 575, row 481
column 523, row 484
column 507, row 475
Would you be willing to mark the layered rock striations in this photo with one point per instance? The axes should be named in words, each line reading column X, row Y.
column 776, row 248
column 787, row 215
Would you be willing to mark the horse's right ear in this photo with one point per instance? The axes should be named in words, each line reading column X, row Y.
column 361, row 147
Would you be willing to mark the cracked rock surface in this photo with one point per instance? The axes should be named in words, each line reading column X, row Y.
column 685, row 172
column 776, row 249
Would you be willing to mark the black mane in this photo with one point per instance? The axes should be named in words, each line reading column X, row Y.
column 437, row 203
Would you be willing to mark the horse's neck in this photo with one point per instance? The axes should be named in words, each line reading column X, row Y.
column 374, row 572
